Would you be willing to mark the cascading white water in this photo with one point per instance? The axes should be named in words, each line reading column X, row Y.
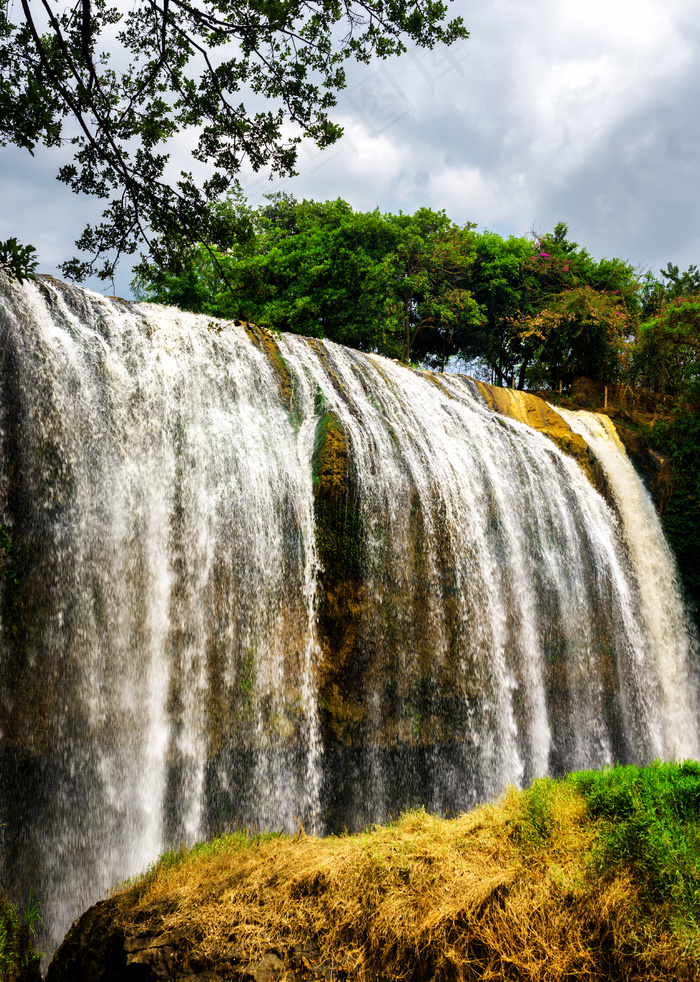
column 271, row 581
column 668, row 645
column 170, row 537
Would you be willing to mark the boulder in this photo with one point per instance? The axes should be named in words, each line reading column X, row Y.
column 98, row 948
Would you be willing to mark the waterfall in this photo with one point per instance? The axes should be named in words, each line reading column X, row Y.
column 265, row 581
column 668, row 650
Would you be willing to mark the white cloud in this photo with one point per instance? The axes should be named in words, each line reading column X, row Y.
column 472, row 192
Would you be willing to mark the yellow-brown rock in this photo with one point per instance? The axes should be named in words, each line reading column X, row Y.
column 265, row 341
column 535, row 412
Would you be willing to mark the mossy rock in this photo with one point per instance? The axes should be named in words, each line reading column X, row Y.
column 265, row 342
column 340, row 547
column 330, row 460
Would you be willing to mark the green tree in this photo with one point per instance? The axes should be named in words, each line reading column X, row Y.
column 666, row 355
column 509, row 282
column 173, row 66
column 580, row 331
column 306, row 267
column 654, row 293
column 193, row 276
column 17, row 261
column 550, row 310
column 679, row 284
column 371, row 281
column 318, row 272
column 424, row 277
column 651, row 295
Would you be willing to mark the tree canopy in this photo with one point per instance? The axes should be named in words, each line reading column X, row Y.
column 528, row 310
column 120, row 82
column 371, row 281
column 578, row 313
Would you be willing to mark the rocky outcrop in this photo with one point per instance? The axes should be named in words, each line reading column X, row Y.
column 98, row 949
column 655, row 470
column 93, row 950
column 633, row 412
column 535, row 412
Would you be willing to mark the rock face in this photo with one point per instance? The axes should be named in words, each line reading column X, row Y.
column 535, row 412
column 655, row 469
column 92, row 951
column 96, row 949
column 627, row 408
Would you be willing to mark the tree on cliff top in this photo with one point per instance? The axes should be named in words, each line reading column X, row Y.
column 183, row 66
column 317, row 268
column 549, row 309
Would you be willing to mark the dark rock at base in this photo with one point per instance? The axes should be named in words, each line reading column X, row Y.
column 93, row 950
column 97, row 949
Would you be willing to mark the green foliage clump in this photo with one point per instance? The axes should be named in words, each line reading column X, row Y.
column 678, row 436
column 666, row 353
column 551, row 311
column 540, row 820
column 649, row 823
column 645, row 845
column 681, row 525
column 18, row 261
column 18, row 961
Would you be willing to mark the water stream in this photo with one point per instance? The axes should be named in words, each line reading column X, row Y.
column 268, row 581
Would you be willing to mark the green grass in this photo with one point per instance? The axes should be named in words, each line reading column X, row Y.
column 18, row 960
column 649, row 824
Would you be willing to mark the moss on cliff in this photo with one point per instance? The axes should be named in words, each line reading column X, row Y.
column 340, row 548
column 265, row 342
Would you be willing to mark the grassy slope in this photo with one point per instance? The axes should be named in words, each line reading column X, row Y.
column 593, row 877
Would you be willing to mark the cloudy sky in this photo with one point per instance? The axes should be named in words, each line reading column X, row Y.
column 552, row 110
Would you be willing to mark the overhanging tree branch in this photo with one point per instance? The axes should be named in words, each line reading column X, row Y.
column 282, row 53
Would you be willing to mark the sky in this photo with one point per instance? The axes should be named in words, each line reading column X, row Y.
column 550, row 111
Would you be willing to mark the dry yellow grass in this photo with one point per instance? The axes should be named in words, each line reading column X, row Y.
column 484, row 896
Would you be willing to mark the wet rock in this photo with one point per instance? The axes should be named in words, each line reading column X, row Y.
column 98, row 949
column 93, row 951
column 654, row 469
column 535, row 412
